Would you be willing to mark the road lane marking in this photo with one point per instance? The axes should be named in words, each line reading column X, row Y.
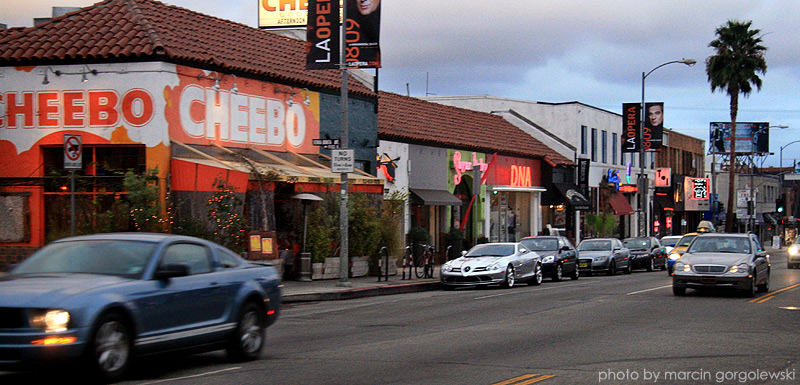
column 773, row 294
column 646, row 290
column 538, row 289
column 525, row 379
column 193, row 376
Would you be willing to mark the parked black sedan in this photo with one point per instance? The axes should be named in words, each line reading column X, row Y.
column 647, row 253
column 559, row 257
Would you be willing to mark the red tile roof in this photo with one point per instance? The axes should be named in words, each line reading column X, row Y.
column 406, row 119
column 147, row 30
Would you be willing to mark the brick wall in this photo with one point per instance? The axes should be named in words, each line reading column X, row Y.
column 10, row 255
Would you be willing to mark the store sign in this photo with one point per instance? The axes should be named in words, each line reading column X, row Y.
column 696, row 194
column 461, row 167
column 175, row 103
column 514, row 172
column 663, row 177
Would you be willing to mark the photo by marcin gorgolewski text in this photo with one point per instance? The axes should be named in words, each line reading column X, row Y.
column 698, row 376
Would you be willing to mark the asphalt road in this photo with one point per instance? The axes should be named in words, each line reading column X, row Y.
column 626, row 329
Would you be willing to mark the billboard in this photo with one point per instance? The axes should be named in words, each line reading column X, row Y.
column 282, row 13
column 653, row 127
column 750, row 138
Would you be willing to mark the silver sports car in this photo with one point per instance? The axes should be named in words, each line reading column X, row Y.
column 735, row 261
column 491, row 264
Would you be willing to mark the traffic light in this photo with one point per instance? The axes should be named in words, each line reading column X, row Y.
column 779, row 205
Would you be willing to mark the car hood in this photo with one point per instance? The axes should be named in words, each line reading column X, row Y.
column 547, row 253
column 474, row 262
column 594, row 254
column 46, row 290
column 715, row 258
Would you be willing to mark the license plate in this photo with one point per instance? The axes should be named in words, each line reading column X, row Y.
column 709, row 280
column 583, row 265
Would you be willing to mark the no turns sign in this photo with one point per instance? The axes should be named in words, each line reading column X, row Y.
column 73, row 152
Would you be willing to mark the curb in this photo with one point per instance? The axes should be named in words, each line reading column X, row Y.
column 361, row 292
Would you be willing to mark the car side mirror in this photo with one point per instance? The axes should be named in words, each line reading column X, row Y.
column 463, row 253
column 565, row 248
column 171, row 270
column 761, row 254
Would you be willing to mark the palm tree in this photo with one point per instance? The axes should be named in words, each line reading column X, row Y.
column 734, row 69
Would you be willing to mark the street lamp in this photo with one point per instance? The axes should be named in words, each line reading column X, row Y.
column 644, row 229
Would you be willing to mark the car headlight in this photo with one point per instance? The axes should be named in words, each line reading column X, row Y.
column 794, row 250
column 600, row 259
column 548, row 259
column 683, row 267
column 674, row 256
column 447, row 267
column 740, row 269
column 494, row 266
column 50, row 320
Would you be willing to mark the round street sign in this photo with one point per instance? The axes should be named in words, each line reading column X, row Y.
column 73, row 151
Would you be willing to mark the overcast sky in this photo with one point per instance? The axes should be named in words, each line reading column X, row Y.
column 591, row 51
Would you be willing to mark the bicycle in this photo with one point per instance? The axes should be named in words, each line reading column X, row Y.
column 423, row 266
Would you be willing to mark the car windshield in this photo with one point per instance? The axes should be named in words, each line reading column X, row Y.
column 490, row 250
column 685, row 241
column 670, row 241
column 637, row 244
column 541, row 244
column 720, row 245
column 594, row 246
column 104, row 257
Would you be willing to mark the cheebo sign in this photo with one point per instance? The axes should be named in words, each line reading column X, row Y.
column 154, row 105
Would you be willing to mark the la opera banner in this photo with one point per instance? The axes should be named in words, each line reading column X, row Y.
column 363, row 34
column 149, row 104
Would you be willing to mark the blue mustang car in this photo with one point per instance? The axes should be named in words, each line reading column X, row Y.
column 99, row 300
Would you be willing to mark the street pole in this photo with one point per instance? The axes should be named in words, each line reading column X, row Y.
column 643, row 184
column 344, row 262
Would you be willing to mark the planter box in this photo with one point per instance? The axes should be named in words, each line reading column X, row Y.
column 359, row 267
column 317, row 270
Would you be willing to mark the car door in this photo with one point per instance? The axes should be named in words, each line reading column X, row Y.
column 761, row 262
column 621, row 253
column 569, row 256
column 525, row 259
column 179, row 304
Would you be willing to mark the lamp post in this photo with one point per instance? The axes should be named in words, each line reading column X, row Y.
column 644, row 229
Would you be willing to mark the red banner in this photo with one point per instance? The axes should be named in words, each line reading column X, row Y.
column 363, row 32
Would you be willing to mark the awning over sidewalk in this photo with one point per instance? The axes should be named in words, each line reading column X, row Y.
column 620, row 204
column 433, row 198
column 573, row 196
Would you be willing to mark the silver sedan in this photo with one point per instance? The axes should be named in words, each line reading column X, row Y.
column 502, row 264
column 734, row 261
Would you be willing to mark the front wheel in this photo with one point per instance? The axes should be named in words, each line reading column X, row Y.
column 652, row 265
column 612, row 268
column 109, row 351
column 537, row 278
column 247, row 340
column 764, row 287
column 558, row 274
column 510, row 277
column 576, row 273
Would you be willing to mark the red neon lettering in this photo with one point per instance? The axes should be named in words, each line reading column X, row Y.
column 74, row 109
column 129, row 107
column 293, row 5
column 48, row 109
column 25, row 109
column 102, row 108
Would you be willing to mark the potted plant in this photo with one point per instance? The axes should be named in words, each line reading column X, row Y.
column 320, row 239
column 455, row 239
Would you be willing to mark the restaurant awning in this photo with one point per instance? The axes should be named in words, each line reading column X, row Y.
column 433, row 198
column 620, row 204
column 573, row 196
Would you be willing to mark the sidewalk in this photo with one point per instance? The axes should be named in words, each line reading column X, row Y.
column 368, row 286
